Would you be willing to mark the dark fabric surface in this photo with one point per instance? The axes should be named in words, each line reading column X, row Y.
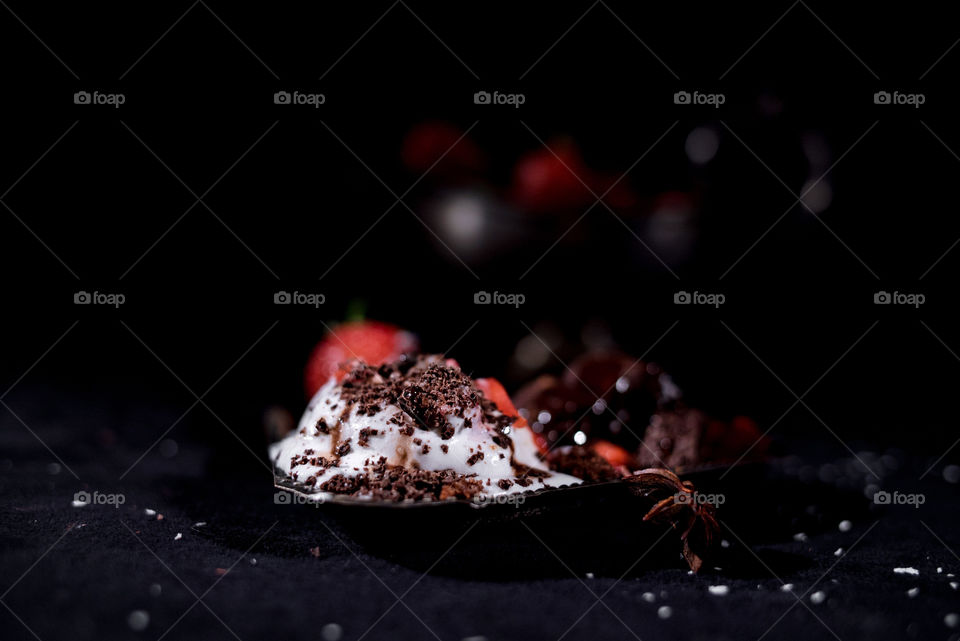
column 78, row 573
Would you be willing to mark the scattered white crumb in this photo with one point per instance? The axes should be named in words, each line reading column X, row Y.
column 951, row 620
column 954, row 585
column 786, row 587
column 818, row 597
column 724, row 543
column 912, row 592
column 199, row 524
column 910, row 571
column 838, row 552
column 665, row 612
column 332, row 632
column 689, row 572
column 150, row 512
column 649, row 597
column 800, row 536
column 719, row 590
column 178, row 537
column 138, row 620
column 589, row 575
column 950, row 574
column 939, row 570
column 845, row 526
column 78, row 503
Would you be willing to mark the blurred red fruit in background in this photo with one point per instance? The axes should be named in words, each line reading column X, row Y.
column 371, row 341
column 428, row 142
column 548, row 180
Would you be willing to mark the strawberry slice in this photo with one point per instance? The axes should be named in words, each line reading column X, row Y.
column 614, row 454
column 495, row 392
column 370, row 341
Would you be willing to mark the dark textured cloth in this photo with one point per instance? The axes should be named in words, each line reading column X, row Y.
column 263, row 570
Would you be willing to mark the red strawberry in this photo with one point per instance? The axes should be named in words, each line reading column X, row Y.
column 545, row 181
column 614, row 454
column 441, row 148
column 370, row 341
column 495, row 392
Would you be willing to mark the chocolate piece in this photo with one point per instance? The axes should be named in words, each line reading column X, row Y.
column 673, row 439
column 583, row 463
column 606, row 395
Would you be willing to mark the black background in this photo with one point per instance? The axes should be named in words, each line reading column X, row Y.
column 293, row 189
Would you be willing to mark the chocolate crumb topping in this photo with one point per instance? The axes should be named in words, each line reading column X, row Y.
column 428, row 391
column 396, row 483
column 425, row 449
column 344, row 448
column 505, row 484
column 364, row 439
column 444, row 448
column 478, row 456
column 322, row 426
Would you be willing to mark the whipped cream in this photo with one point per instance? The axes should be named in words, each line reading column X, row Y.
column 339, row 435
